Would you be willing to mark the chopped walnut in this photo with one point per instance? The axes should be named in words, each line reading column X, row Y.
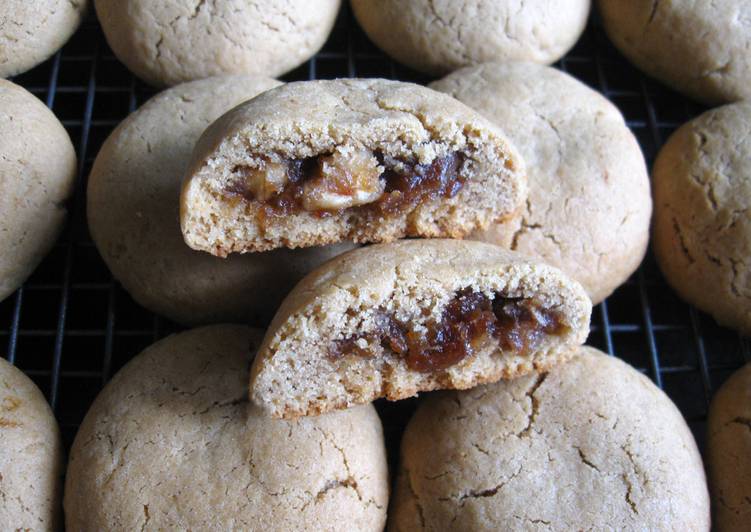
column 345, row 180
column 266, row 181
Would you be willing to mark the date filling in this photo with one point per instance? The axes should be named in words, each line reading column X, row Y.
column 330, row 183
column 469, row 319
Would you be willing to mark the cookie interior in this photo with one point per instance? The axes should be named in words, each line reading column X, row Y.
column 251, row 198
column 332, row 356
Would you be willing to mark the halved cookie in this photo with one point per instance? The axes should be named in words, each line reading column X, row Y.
column 318, row 162
column 394, row 319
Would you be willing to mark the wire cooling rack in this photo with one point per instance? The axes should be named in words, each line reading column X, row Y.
column 71, row 326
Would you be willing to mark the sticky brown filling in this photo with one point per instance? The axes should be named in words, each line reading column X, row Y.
column 331, row 183
column 518, row 324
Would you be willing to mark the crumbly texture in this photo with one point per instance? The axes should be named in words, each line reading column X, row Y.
column 413, row 280
column 589, row 201
column 697, row 48
column 172, row 443
column 172, row 42
column 402, row 121
column 590, row 445
column 729, row 452
column 37, row 171
column 702, row 228
column 31, row 455
column 438, row 36
column 32, row 30
column 134, row 220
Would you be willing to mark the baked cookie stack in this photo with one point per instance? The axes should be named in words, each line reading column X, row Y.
column 397, row 239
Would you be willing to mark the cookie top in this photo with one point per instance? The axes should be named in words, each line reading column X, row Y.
column 368, row 160
column 133, row 193
column 592, row 444
column 589, row 201
column 37, row 171
column 702, row 229
column 33, row 30
column 729, row 452
column 697, row 48
column 183, row 40
column 395, row 319
column 438, row 37
column 172, row 443
column 31, row 455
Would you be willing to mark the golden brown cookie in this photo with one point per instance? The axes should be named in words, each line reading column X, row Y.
column 317, row 162
column 133, row 216
column 729, row 452
column 165, row 43
column 395, row 319
column 590, row 445
column 702, row 227
column 172, row 443
column 589, row 201
column 31, row 456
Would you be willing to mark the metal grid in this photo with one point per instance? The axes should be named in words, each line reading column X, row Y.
column 71, row 326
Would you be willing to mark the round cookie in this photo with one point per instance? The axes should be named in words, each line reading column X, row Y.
column 729, row 452
column 589, row 201
column 37, row 172
column 183, row 40
column 173, row 443
column 438, row 36
column 702, row 228
column 32, row 30
column 31, row 455
column 591, row 445
column 133, row 194
column 697, row 48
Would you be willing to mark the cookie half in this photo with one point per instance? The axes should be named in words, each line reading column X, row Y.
column 31, row 455
column 590, row 445
column 317, row 162
column 133, row 214
column 729, row 452
column 589, row 201
column 172, row 443
column 702, row 228
column 394, row 319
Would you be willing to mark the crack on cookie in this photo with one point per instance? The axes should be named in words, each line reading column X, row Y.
column 682, row 242
column 586, row 461
column 535, row 405
column 488, row 492
column 653, row 12
column 629, row 489
column 745, row 421
column 147, row 517
column 415, row 497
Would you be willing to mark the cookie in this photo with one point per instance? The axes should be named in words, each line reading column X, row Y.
column 702, row 230
column 173, row 443
column 31, row 455
column 318, row 162
column 589, row 201
column 729, row 452
column 184, row 40
column 37, row 172
column 590, row 445
column 438, row 37
column 132, row 199
column 698, row 48
column 32, row 30
column 392, row 320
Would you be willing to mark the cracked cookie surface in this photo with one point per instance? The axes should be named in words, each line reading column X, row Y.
column 438, row 36
column 392, row 320
column 589, row 201
column 31, row 456
column 591, row 444
column 173, row 443
column 37, row 172
column 729, row 452
column 32, row 30
column 166, row 43
column 367, row 160
column 134, row 220
column 697, row 48
column 702, row 225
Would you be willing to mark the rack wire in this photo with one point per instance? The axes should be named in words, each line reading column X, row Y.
column 71, row 326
